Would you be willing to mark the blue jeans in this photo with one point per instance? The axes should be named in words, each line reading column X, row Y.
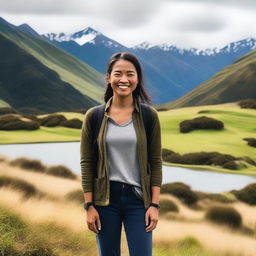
column 125, row 206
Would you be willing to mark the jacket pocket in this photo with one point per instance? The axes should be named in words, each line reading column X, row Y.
column 99, row 190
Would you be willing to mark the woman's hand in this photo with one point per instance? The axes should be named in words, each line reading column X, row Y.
column 151, row 217
column 93, row 220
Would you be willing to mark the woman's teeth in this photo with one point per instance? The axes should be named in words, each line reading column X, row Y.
column 123, row 86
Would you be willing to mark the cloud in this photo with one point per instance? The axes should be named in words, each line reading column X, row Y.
column 185, row 23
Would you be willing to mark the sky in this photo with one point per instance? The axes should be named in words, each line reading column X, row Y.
column 184, row 23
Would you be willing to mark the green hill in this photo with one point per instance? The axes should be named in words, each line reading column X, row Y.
column 82, row 77
column 26, row 83
column 233, row 83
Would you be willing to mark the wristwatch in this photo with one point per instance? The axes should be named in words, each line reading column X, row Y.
column 155, row 205
column 87, row 205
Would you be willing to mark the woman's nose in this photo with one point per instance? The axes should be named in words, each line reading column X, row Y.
column 123, row 79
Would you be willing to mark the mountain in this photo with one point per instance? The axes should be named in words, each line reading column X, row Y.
column 170, row 71
column 84, row 79
column 233, row 83
column 95, row 49
column 27, row 29
column 25, row 83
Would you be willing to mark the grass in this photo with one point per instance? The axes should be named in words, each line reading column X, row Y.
column 239, row 123
column 60, row 224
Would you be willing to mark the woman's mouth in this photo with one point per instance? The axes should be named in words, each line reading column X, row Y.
column 123, row 86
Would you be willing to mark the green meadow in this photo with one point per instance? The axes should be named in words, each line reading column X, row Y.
column 238, row 124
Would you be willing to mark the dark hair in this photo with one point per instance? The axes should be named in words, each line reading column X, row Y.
column 139, row 92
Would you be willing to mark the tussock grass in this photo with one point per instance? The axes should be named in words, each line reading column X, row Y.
column 61, row 223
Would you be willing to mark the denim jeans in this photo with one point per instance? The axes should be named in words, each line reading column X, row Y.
column 125, row 207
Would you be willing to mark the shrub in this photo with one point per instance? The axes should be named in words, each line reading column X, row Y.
column 7, row 110
column 21, row 185
column 230, row 165
column 76, row 195
column 218, row 197
column 202, row 122
column 201, row 158
column 181, row 191
column 61, row 171
column 52, row 120
column 224, row 215
column 31, row 164
column 250, row 141
column 247, row 103
column 72, row 123
column 167, row 206
column 11, row 122
column 247, row 194
column 11, row 228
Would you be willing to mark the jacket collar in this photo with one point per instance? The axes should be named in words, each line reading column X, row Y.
column 110, row 101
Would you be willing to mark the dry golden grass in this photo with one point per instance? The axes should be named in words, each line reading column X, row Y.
column 51, row 185
column 69, row 214
column 213, row 237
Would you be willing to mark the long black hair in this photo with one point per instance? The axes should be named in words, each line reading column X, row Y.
column 139, row 93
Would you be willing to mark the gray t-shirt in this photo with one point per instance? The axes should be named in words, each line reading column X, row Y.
column 122, row 153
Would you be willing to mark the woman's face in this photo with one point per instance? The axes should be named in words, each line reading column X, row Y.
column 123, row 78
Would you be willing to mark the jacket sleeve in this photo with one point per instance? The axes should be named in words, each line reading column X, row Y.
column 87, row 160
column 155, row 151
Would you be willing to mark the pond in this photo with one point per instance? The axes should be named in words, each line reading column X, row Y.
column 67, row 153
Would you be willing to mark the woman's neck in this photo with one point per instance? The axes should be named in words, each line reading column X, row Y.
column 122, row 102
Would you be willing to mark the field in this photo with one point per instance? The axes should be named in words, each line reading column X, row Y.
column 238, row 124
column 58, row 224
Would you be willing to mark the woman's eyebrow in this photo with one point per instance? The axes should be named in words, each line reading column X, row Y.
column 120, row 71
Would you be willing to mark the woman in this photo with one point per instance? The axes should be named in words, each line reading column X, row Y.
column 121, row 182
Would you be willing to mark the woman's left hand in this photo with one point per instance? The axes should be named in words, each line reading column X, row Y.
column 151, row 217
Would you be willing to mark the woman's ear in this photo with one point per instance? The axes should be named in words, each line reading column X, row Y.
column 107, row 77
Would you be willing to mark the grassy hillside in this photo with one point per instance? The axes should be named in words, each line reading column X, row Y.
column 55, row 225
column 26, row 83
column 234, row 82
column 239, row 123
column 82, row 77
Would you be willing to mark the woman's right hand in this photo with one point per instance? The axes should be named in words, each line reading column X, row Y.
column 93, row 220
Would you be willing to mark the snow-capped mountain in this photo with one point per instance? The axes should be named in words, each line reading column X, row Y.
column 87, row 35
column 170, row 71
column 248, row 44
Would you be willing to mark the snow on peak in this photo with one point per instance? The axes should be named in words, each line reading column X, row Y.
column 82, row 37
column 145, row 45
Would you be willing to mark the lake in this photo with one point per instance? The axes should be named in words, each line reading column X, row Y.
column 68, row 153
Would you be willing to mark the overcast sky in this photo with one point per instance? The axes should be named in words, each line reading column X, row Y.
column 184, row 23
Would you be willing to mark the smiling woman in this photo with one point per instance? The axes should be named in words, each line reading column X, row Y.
column 122, row 182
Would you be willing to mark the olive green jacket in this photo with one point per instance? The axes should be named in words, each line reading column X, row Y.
column 150, row 169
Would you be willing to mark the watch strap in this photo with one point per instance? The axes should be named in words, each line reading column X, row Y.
column 155, row 205
column 87, row 205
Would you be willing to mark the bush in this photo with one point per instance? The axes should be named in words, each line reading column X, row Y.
column 247, row 194
column 31, row 164
column 76, row 195
column 202, row 122
column 52, row 120
column 72, row 123
column 167, row 206
column 247, row 103
column 7, row 110
column 230, row 165
column 225, row 197
column 18, row 239
column 224, row 215
column 61, row 171
column 250, row 141
column 11, row 122
column 201, row 158
column 180, row 190
column 21, row 185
